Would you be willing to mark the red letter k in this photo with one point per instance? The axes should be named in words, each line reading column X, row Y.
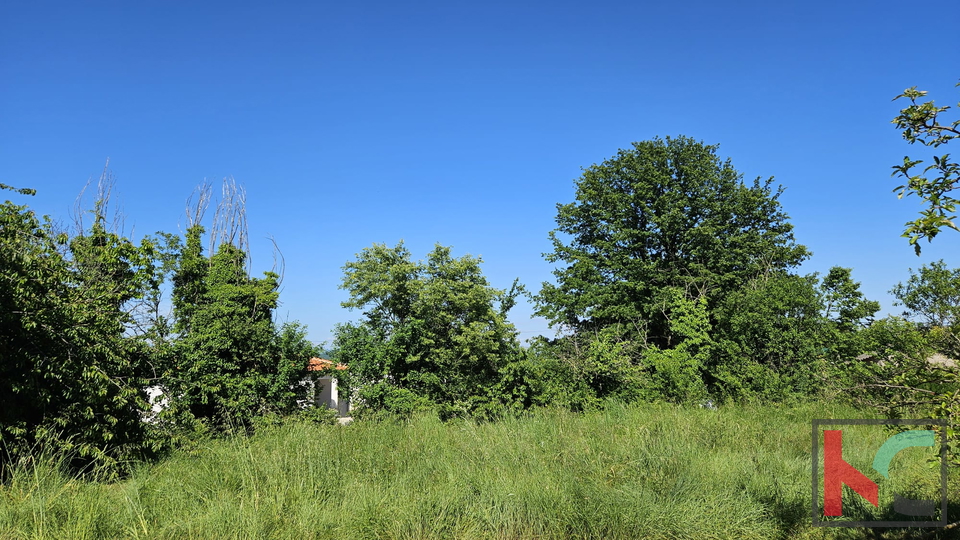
column 837, row 472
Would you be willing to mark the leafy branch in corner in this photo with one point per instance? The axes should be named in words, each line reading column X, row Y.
column 920, row 123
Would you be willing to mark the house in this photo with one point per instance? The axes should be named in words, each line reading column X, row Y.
column 321, row 383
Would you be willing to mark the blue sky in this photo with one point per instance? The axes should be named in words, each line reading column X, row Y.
column 462, row 123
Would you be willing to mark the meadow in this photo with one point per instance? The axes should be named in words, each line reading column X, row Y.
column 637, row 471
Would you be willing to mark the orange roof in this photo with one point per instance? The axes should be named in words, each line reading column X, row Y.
column 322, row 364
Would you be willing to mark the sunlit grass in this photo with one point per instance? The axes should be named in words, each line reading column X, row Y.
column 646, row 471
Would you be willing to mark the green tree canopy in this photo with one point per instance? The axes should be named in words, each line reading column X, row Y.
column 229, row 362
column 666, row 213
column 69, row 374
column 433, row 331
column 932, row 295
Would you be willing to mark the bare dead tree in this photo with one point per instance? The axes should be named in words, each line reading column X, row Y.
column 109, row 217
column 76, row 214
column 197, row 204
column 230, row 220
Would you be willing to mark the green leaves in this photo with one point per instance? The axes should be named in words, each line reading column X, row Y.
column 434, row 328
column 22, row 191
column 932, row 294
column 679, row 370
column 67, row 369
column 665, row 213
column 227, row 363
column 920, row 123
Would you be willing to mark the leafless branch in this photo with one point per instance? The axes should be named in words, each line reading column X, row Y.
column 282, row 262
column 230, row 220
column 197, row 204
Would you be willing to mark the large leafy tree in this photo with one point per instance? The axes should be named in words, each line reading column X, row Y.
column 69, row 371
column 664, row 214
column 433, row 331
column 223, row 360
column 228, row 363
column 921, row 122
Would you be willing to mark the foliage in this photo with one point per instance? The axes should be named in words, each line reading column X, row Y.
column 590, row 367
column 553, row 373
column 665, row 213
column 848, row 314
column 845, row 305
column 678, row 371
column 770, row 337
column 433, row 331
column 920, row 123
column 69, row 374
column 581, row 370
column 912, row 369
column 666, row 245
column 317, row 415
column 787, row 336
column 22, row 191
column 921, row 375
column 904, row 378
column 229, row 363
column 932, row 295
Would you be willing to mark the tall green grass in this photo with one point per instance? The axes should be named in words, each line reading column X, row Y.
column 646, row 471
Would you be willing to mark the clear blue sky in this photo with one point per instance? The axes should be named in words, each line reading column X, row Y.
column 462, row 123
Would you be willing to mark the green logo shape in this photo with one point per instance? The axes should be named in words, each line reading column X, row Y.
column 900, row 441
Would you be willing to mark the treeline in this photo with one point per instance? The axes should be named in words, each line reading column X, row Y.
column 84, row 333
column 676, row 281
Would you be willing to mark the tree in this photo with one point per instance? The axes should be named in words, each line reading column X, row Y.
column 225, row 361
column 920, row 123
column 932, row 295
column 228, row 362
column 69, row 374
column 929, row 293
column 662, row 214
column 677, row 372
column 434, row 332
column 844, row 303
column 771, row 334
column 848, row 315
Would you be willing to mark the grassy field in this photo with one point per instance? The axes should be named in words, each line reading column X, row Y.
column 648, row 471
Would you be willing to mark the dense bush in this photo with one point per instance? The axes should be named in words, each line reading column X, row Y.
column 69, row 381
column 434, row 333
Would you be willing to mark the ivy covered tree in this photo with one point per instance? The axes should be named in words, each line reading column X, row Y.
column 434, row 332
column 224, row 360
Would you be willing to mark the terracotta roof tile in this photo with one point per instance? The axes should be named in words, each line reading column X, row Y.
column 322, row 364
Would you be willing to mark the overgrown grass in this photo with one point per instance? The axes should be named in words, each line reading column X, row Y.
column 650, row 471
